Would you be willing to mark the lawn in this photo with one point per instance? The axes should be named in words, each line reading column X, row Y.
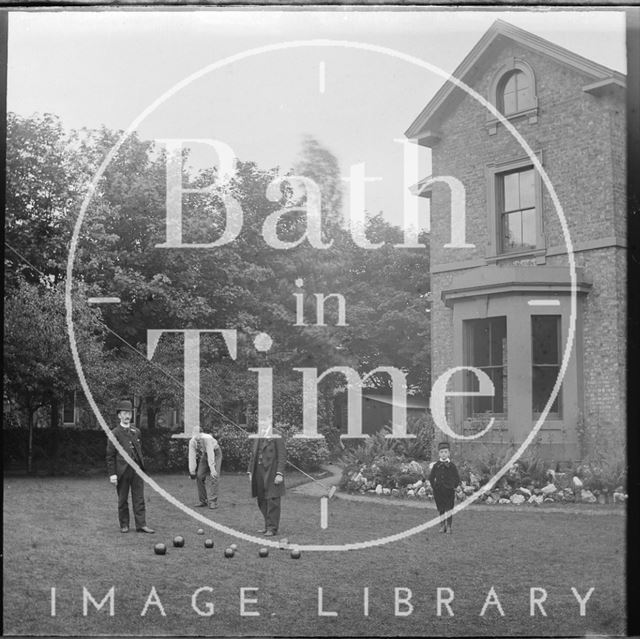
column 64, row 533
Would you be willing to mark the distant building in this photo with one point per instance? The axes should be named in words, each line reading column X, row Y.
column 377, row 409
column 504, row 306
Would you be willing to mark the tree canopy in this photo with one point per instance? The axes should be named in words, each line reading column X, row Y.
column 245, row 285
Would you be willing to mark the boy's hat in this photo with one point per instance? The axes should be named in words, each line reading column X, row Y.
column 443, row 445
column 124, row 404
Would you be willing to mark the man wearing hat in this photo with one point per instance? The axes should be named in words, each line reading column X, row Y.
column 444, row 479
column 266, row 473
column 122, row 474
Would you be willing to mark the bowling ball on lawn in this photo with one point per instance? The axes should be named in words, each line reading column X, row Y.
column 160, row 549
column 229, row 552
column 263, row 552
column 208, row 543
column 178, row 541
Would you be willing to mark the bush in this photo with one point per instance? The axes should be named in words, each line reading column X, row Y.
column 71, row 451
column 355, row 457
column 383, row 461
column 482, row 462
column 307, row 454
column 419, row 448
column 604, row 473
column 236, row 448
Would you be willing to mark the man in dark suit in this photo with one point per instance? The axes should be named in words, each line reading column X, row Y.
column 266, row 470
column 124, row 476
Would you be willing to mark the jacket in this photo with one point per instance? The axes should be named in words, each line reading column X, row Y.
column 116, row 464
column 444, row 476
column 273, row 455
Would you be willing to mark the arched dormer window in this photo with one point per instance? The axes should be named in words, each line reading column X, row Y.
column 513, row 92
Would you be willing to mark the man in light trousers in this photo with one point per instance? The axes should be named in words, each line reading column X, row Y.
column 205, row 461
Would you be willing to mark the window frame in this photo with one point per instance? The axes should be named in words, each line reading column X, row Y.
column 502, row 212
column 494, row 173
column 73, row 405
column 551, row 415
column 501, row 89
column 498, row 81
column 467, row 332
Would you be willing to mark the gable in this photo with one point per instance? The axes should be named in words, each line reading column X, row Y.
column 424, row 128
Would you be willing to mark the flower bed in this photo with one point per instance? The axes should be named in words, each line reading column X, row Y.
column 390, row 476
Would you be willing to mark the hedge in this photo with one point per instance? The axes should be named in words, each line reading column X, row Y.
column 67, row 451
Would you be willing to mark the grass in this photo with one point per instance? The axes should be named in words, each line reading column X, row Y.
column 64, row 533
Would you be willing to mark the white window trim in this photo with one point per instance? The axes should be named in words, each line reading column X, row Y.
column 531, row 112
column 494, row 252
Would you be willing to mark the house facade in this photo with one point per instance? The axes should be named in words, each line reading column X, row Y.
column 504, row 304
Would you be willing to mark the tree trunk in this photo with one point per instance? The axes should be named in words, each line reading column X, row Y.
column 137, row 406
column 151, row 414
column 55, row 435
column 30, row 414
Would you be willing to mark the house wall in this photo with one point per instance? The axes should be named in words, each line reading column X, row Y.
column 580, row 139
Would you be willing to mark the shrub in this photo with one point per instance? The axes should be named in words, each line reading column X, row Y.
column 420, row 447
column 604, row 473
column 404, row 479
column 236, row 447
column 305, row 454
column 364, row 453
column 483, row 462
column 387, row 470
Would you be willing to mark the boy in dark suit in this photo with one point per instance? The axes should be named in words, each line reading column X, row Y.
column 444, row 479
column 266, row 470
column 124, row 476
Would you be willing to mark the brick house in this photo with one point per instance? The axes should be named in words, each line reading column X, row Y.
column 503, row 305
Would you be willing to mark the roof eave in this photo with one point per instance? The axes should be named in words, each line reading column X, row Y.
column 427, row 117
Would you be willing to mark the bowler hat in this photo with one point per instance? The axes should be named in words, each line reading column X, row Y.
column 124, row 404
column 443, row 445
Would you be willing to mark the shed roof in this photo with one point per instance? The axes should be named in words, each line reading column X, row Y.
column 410, row 402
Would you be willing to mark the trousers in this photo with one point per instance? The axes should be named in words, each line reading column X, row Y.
column 130, row 481
column 444, row 499
column 208, row 486
column 269, row 506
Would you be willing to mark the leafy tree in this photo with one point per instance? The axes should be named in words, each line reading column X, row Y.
column 244, row 285
column 319, row 164
column 41, row 194
column 38, row 366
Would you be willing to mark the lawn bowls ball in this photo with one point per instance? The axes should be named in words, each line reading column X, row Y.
column 229, row 552
column 160, row 549
column 263, row 552
column 200, row 531
column 208, row 543
column 295, row 554
column 178, row 541
column 233, row 547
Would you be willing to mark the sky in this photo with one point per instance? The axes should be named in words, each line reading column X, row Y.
column 96, row 68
